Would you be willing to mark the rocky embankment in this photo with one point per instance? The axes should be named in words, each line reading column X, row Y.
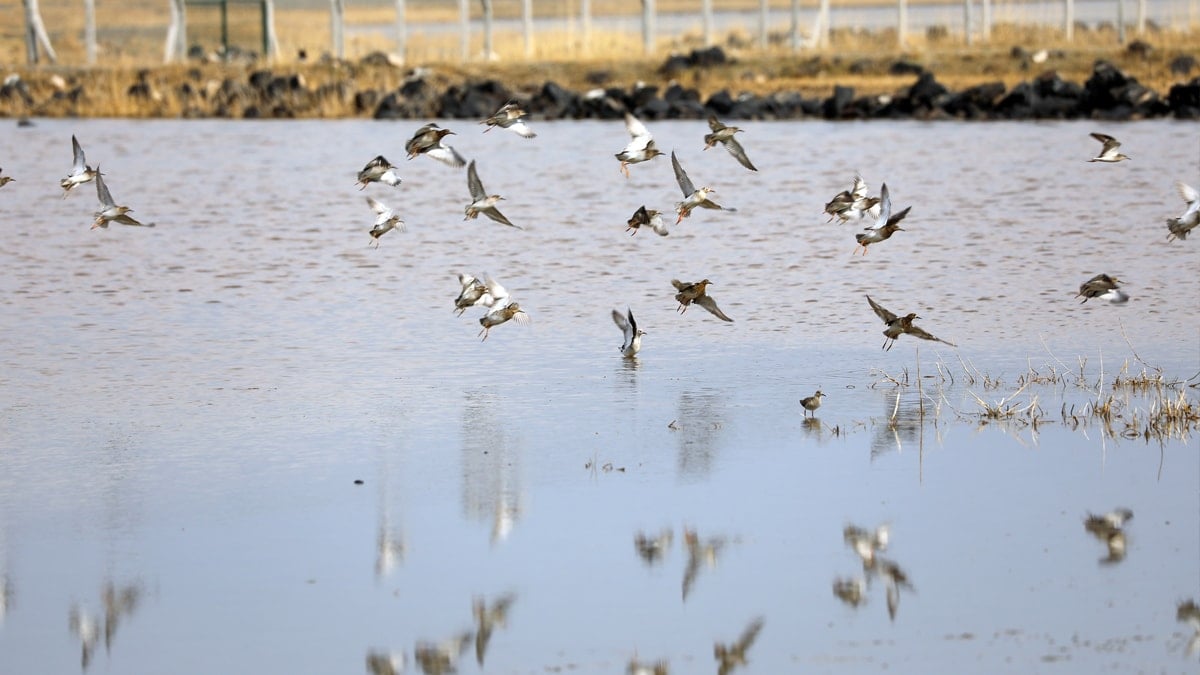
column 1109, row 93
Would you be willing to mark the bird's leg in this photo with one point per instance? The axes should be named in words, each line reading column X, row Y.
column 625, row 168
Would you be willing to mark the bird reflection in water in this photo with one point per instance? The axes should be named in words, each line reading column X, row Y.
column 1189, row 612
column 85, row 627
column 701, row 552
column 389, row 550
column 1109, row 528
column 698, row 427
column 119, row 602
column 733, row 655
column 442, row 657
column 491, row 466
column 488, row 619
column 867, row 545
column 652, row 550
column 6, row 596
column 852, row 591
column 636, row 667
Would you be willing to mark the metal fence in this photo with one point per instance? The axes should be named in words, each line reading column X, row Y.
column 81, row 32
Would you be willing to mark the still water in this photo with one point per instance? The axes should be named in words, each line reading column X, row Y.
column 185, row 410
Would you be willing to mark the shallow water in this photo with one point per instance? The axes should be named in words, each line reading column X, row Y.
column 185, row 409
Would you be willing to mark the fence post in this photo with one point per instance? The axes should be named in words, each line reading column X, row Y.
column 401, row 31
column 967, row 20
column 527, row 16
column 901, row 23
column 337, row 12
column 464, row 29
column 585, row 22
column 825, row 20
column 706, row 12
column 648, row 26
column 270, row 41
column 1121, row 22
column 985, row 30
column 89, row 30
column 1069, row 19
column 487, row 29
column 1141, row 17
column 794, row 31
column 762, row 24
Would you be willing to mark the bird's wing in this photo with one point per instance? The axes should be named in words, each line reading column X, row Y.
column 474, row 185
column 447, row 155
column 622, row 323
column 494, row 214
column 1187, row 192
column 881, row 312
column 885, row 208
column 102, row 191
column 521, row 128
column 128, row 220
column 377, row 206
column 1105, row 139
column 925, row 335
column 679, row 285
column 895, row 219
column 714, row 123
column 79, row 164
column 859, row 191
column 708, row 303
column 499, row 293
column 635, row 127
column 681, row 177
column 739, row 154
column 748, row 636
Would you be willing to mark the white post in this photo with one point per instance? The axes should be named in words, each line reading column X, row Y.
column 763, row 8
column 1141, row 17
column 794, row 32
column 585, row 22
column 488, row 53
column 706, row 12
column 823, row 18
column 401, row 31
column 464, row 29
column 527, row 16
column 986, row 29
column 648, row 26
column 1121, row 22
column 89, row 30
column 268, row 9
column 337, row 12
column 1069, row 20
column 967, row 20
column 901, row 23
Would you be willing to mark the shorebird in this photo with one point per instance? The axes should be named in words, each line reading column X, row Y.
column 692, row 197
column 378, row 170
column 641, row 147
column 853, row 204
column 633, row 335
column 636, row 667
column 85, row 627
column 853, row 592
column 1109, row 152
column 386, row 220
column 1189, row 612
column 509, row 116
column 109, row 211
column 385, row 663
column 700, row 552
column 80, row 171
column 488, row 619
column 644, row 216
column 1102, row 287
column 474, row 292
column 897, row 325
column 697, row 293
column 1109, row 528
column 724, row 135
column 885, row 225
column 866, row 543
column 652, row 550
column 502, row 309
column 428, row 141
column 895, row 579
column 733, row 655
column 1179, row 227
column 811, row 403
column 439, row 658
column 5, row 180
column 481, row 201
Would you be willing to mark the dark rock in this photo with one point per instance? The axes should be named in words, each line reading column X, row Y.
column 1101, row 89
column 260, row 79
column 1184, row 100
column 926, row 93
column 709, row 57
column 1018, row 103
column 599, row 105
column 642, row 96
column 653, row 109
column 674, row 65
column 555, row 102
column 376, row 59
column 676, row 93
column 837, row 106
column 978, row 102
column 1140, row 48
column 1183, row 65
column 720, row 103
column 860, row 67
column 905, row 68
column 598, row 77
column 366, row 100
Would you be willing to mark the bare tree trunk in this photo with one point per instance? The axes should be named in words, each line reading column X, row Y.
column 527, row 24
column 464, row 29
column 401, row 31
column 337, row 17
column 270, row 40
column 35, row 34
column 648, row 29
column 706, row 10
column 89, row 30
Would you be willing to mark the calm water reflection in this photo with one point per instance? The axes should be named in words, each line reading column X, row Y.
column 185, row 411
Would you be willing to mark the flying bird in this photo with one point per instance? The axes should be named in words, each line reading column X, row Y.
column 80, row 171
column 428, row 141
column 474, row 292
column 644, row 216
column 724, row 135
column 898, row 325
column 378, row 170
column 386, row 220
column 885, row 225
column 697, row 293
column 510, row 116
column 1102, row 287
column 730, row 656
column 853, row 204
column 110, row 211
column 692, row 197
column 1108, row 153
column 481, row 201
column 1179, row 227
column 641, row 146
column 5, row 180
column 633, row 335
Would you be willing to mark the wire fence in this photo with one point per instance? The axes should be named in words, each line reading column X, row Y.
column 139, row 32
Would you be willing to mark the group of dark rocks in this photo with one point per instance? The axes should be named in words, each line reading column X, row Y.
column 1109, row 94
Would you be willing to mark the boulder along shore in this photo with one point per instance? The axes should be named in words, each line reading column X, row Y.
column 376, row 87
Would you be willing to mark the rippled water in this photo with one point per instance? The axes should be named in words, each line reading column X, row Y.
column 185, row 409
